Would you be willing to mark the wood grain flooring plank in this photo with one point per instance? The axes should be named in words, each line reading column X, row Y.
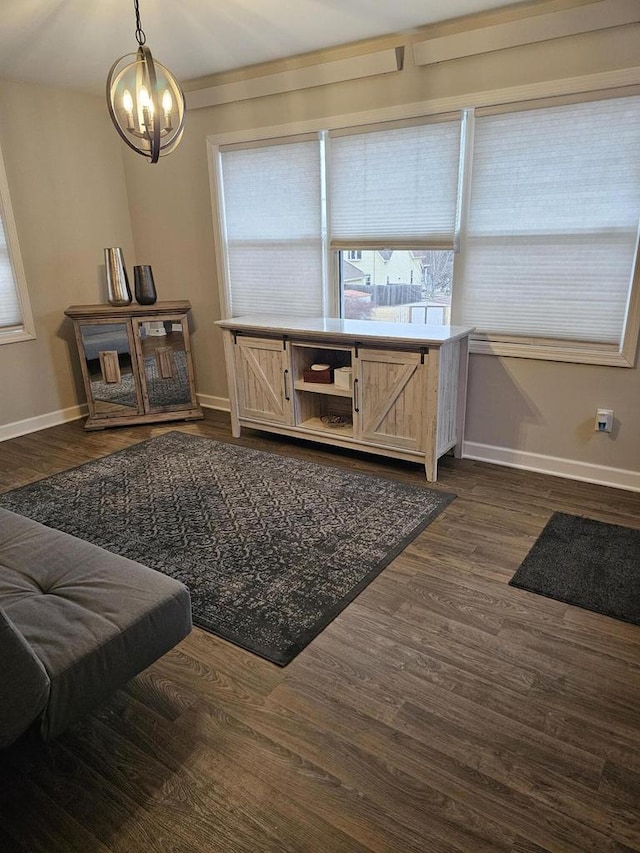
column 343, row 745
column 461, row 645
column 422, row 757
column 343, row 806
column 441, row 712
column 569, row 652
column 120, row 824
column 577, row 696
column 429, row 647
column 287, row 826
column 523, row 846
column 457, row 603
column 200, row 818
column 621, row 785
column 32, row 820
column 8, row 844
column 169, row 699
column 534, row 792
column 545, row 787
column 382, row 807
column 255, row 674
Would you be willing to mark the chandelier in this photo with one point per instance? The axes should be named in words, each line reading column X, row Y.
column 146, row 103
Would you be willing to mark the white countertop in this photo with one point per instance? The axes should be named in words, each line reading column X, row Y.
column 354, row 330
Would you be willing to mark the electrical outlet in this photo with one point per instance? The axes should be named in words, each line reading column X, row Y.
column 604, row 420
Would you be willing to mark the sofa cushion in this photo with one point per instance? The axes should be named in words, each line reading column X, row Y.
column 94, row 619
column 24, row 686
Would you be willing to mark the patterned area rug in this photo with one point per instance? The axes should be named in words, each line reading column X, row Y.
column 271, row 548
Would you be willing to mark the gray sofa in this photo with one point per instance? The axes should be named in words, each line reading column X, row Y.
column 76, row 623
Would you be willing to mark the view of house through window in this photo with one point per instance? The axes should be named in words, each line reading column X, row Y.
column 401, row 286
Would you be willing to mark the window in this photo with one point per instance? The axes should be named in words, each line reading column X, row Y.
column 273, row 218
column 553, row 222
column 521, row 221
column 16, row 323
column 395, row 187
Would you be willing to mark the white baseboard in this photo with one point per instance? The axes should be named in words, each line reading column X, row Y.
column 62, row 416
column 571, row 469
column 208, row 402
column 619, row 478
column 73, row 413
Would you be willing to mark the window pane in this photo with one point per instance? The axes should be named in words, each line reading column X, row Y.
column 395, row 184
column 273, row 229
column 553, row 224
column 397, row 285
column 9, row 305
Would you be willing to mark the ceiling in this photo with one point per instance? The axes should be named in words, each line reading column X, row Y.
column 72, row 43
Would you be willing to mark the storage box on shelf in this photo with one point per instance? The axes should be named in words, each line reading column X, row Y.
column 404, row 397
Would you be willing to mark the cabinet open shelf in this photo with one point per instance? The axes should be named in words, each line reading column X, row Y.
column 323, row 388
column 316, row 425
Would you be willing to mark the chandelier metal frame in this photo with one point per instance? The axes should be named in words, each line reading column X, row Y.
column 145, row 120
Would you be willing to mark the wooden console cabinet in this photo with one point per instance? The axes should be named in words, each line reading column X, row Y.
column 136, row 363
column 406, row 398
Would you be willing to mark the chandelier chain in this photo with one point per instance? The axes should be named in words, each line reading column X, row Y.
column 140, row 36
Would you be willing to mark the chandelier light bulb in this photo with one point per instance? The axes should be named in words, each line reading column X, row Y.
column 145, row 101
column 127, row 102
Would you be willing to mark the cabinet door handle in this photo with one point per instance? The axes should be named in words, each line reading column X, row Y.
column 355, row 396
column 285, row 378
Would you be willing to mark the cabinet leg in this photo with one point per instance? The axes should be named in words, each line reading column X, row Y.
column 431, row 469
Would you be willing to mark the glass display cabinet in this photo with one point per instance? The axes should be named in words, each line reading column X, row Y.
column 136, row 363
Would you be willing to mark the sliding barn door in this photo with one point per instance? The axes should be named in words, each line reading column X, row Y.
column 263, row 380
column 388, row 397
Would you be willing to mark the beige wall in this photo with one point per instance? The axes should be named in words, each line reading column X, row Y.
column 533, row 406
column 70, row 200
column 170, row 206
column 66, row 180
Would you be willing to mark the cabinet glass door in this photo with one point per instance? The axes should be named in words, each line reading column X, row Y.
column 109, row 368
column 165, row 365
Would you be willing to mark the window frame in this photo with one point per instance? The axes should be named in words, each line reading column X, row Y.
column 26, row 330
column 590, row 87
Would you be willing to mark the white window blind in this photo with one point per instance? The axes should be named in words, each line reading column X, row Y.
column 395, row 186
column 273, row 228
column 9, row 306
column 553, row 222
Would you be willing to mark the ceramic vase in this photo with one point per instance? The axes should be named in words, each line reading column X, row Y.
column 144, row 287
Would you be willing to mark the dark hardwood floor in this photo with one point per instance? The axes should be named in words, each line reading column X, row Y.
column 443, row 711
